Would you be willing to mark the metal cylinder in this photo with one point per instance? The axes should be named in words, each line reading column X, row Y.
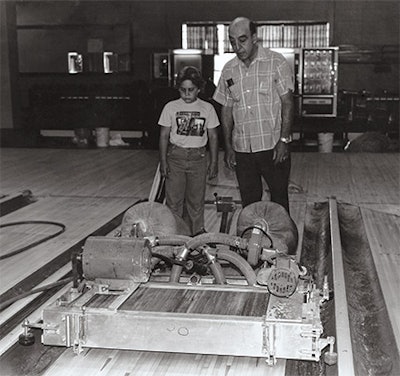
column 116, row 258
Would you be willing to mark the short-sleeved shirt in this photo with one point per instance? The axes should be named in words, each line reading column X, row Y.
column 254, row 93
column 189, row 122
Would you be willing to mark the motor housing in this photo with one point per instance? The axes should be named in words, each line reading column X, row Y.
column 281, row 277
column 116, row 258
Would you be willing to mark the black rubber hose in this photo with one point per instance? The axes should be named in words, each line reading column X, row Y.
column 34, row 244
column 215, row 267
column 218, row 273
column 10, row 301
column 226, row 255
column 217, row 238
column 176, row 272
column 240, row 263
column 172, row 239
column 167, row 259
column 206, row 238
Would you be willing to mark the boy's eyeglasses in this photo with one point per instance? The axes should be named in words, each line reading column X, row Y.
column 187, row 90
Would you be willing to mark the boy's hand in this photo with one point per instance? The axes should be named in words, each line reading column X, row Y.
column 164, row 169
column 213, row 170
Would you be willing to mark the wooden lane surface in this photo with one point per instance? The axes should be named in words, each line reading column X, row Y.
column 67, row 172
column 129, row 363
column 358, row 178
column 225, row 184
column 81, row 216
column 383, row 232
column 362, row 178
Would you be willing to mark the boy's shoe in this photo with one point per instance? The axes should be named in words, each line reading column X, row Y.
column 202, row 231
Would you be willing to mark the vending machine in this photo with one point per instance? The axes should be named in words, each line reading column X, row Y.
column 318, row 82
column 180, row 58
column 315, row 72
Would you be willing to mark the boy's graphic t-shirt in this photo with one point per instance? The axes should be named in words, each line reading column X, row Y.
column 189, row 122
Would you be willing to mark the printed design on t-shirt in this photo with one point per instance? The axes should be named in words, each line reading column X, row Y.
column 189, row 123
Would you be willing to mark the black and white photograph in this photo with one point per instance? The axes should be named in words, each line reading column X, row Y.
column 199, row 188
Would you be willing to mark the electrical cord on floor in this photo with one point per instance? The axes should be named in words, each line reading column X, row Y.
column 10, row 301
column 34, row 244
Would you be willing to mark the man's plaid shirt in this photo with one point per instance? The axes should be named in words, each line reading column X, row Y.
column 254, row 93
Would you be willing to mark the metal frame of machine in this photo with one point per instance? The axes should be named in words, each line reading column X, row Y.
column 287, row 328
column 121, row 302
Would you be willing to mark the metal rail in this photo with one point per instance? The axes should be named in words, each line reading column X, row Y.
column 345, row 362
column 15, row 201
column 157, row 193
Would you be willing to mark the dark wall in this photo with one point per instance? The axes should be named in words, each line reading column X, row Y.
column 155, row 26
column 5, row 84
column 367, row 24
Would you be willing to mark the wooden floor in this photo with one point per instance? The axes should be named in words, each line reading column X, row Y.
column 363, row 179
column 84, row 189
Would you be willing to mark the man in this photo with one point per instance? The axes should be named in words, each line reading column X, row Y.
column 256, row 94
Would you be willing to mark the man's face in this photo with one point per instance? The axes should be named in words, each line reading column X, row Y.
column 243, row 43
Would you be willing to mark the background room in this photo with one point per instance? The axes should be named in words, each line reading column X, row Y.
column 41, row 98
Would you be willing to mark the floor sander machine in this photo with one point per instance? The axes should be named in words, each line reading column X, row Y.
column 152, row 287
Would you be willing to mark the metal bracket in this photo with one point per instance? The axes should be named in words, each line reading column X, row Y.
column 315, row 351
column 75, row 331
column 269, row 343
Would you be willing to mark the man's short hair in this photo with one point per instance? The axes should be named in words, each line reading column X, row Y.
column 253, row 28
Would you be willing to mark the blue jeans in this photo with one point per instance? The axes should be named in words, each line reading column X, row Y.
column 185, row 186
column 251, row 167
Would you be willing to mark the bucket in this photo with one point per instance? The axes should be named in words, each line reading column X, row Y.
column 102, row 137
column 325, row 142
column 81, row 137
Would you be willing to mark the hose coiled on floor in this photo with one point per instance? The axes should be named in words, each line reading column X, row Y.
column 34, row 244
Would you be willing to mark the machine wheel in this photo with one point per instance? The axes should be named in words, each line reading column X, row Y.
column 151, row 219
column 26, row 339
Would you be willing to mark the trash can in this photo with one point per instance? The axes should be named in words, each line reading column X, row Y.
column 82, row 137
column 325, row 142
column 102, row 137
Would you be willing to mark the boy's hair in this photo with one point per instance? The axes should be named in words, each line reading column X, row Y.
column 192, row 74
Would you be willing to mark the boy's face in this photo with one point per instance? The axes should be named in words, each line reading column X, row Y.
column 188, row 91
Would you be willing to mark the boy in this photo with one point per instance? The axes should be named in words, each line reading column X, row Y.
column 187, row 124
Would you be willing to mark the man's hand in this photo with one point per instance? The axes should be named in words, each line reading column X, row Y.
column 230, row 159
column 281, row 152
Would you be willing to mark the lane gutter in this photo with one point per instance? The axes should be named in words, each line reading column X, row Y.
column 345, row 364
